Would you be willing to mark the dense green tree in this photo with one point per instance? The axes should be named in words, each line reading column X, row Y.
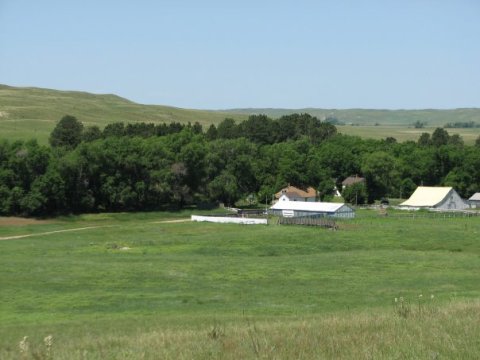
column 227, row 129
column 406, row 188
column 326, row 188
column 257, row 128
column 4, row 198
column 67, row 133
column 140, row 129
column 379, row 170
column 355, row 194
column 114, row 129
column 197, row 128
column 91, row 133
column 424, row 139
column 440, row 137
column 141, row 166
column 461, row 181
column 456, row 140
column 224, row 188
column 192, row 155
column 211, row 133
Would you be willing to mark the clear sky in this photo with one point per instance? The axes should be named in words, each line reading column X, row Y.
column 211, row 54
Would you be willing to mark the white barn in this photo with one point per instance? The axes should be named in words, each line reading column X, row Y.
column 314, row 209
column 431, row 197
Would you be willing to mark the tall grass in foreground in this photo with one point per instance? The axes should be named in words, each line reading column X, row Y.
column 426, row 332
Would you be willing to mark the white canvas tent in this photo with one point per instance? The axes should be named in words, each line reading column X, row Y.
column 442, row 198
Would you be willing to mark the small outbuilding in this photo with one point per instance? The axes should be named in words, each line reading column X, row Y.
column 313, row 209
column 474, row 200
column 351, row 180
column 433, row 197
column 292, row 193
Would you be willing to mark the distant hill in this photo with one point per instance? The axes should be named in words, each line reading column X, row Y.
column 33, row 112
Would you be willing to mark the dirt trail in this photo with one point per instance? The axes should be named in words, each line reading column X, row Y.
column 52, row 232
column 170, row 221
column 84, row 228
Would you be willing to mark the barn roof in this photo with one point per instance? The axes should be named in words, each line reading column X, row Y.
column 475, row 197
column 352, row 180
column 427, row 196
column 292, row 190
column 307, row 206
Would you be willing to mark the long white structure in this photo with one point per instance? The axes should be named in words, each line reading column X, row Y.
column 303, row 208
column 442, row 198
column 230, row 220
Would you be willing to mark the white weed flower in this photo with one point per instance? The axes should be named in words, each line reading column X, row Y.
column 431, row 296
column 48, row 341
column 420, row 296
column 396, row 300
column 24, row 345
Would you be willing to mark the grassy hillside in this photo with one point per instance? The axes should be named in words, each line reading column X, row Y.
column 123, row 285
column 33, row 112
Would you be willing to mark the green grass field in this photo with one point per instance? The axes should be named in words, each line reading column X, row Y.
column 139, row 286
column 27, row 113
column 404, row 133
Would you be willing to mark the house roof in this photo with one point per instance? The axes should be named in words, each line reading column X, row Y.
column 475, row 197
column 307, row 206
column 352, row 180
column 292, row 190
column 427, row 196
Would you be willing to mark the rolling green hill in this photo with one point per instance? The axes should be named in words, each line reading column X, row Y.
column 33, row 112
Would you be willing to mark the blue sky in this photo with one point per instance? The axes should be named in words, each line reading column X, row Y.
column 220, row 54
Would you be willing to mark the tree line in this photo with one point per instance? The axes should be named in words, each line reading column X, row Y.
column 149, row 167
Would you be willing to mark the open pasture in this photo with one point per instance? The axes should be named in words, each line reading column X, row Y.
column 141, row 285
column 404, row 133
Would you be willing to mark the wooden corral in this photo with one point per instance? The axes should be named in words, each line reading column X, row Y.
column 309, row 221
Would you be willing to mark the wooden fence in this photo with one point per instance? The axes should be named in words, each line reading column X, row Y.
column 309, row 221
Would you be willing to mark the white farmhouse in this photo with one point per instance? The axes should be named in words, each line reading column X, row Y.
column 292, row 193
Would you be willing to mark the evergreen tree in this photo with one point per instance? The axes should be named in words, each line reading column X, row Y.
column 67, row 133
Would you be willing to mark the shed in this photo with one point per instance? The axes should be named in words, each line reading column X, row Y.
column 474, row 200
column 314, row 209
column 432, row 197
column 351, row 180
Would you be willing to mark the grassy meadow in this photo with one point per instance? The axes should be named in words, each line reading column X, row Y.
column 404, row 132
column 33, row 112
column 147, row 286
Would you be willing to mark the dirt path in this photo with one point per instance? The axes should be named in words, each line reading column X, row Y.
column 170, row 221
column 52, row 232
column 84, row 228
